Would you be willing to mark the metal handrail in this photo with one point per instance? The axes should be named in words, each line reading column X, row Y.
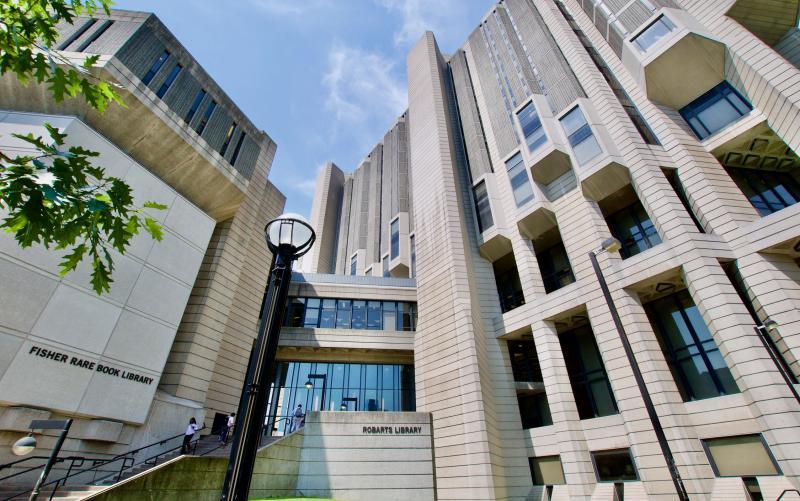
column 126, row 458
column 787, row 490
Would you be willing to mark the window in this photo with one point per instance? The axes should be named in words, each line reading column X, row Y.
column 555, row 267
column 531, row 126
column 353, row 265
column 327, row 316
column 169, row 80
column 238, row 148
column 693, row 356
column 296, row 312
column 359, row 315
column 509, row 288
column 633, row 228
column 546, row 470
column 482, row 207
column 742, row 456
column 156, row 66
column 201, row 94
column 97, row 34
column 413, row 244
column 408, row 317
column 206, row 116
column 524, row 361
column 395, row 238
column 228, row 136
column 675, row 182
column 390, row 316
column 714, row 110
column 587, row 375
column 657, row 30
column 312, row 312
column 580, row 135
column 614, row 466
column 520, row 184
column 350, row 314
column 344, row 309
column 374, row 315
column 767, row 191
column 385, row 264
column 79, row 33
column 534, row 411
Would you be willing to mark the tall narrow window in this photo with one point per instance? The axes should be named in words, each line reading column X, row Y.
column 238, row 148
column 344, row 310
column 520, row 183
column 169, row 80
column 554, row 265
column 674, row 181
column 581, row 138
column 413, row 244
column 155, row 67
column 79, row 33
column 587, row 374
column 482, row 207
column 524, row 361
column 715, row 110
column 95, row 36
column 312, row 312
column 385, row 263
column 228, row 137
column 509, row 288
column 531, row 126
column 693, row 357
column 395, row 238
column 327, row 315
column 353, row 265
column 201, row 94
column 767, row 191
column 657, row 30
column 206, row 116
column 633, row 228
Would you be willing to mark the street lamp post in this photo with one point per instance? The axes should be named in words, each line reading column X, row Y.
column 27, row 444
column 345, row 400
column 613, row 245
column 310, row 385
column 288, row 237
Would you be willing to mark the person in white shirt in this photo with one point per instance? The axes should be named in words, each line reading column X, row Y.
column 226, row 429
column 297, row 418
column 187, row 437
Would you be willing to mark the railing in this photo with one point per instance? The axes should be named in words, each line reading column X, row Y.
column 787, row 491
column 126, row 462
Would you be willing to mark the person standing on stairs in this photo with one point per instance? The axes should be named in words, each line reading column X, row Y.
column 187, row 437
column 227, row 428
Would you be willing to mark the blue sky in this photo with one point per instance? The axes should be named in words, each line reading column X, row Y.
column 324, row 78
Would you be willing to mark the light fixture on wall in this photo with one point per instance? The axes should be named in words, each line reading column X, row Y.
column 27, row 444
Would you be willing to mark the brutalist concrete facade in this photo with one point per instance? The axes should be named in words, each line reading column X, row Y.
column 668, row 124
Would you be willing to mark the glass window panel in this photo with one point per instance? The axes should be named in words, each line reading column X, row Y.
column 653, row 33
column 482, row 207
column 155, row 67
column 371, row 380
column 534, row 410
column 312, row 317
column 520, row 183
column 354, row 378
column 586, row 150
column 531, row 126
column 343, row 318
column 395, row 238
column 587, row 374
column 714, row 110
column 359, row 314
column 374, row 315
column 173, row 74
column 327, row 319
column 573, row 121
column 547, row 470
column 337, row 376
column 742, row 456
column 386, row 266
column 614, row 466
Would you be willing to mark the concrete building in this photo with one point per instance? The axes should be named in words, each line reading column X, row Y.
column 182, row 313
column 460, row 245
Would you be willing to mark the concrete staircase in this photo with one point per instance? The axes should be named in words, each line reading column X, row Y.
column 68, row 493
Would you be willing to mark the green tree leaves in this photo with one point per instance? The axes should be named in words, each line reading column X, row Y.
column 58, row 199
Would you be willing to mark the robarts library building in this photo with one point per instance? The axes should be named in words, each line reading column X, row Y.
column 570, row 270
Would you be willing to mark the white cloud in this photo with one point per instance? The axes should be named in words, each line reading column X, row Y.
column 363, row 88
column 306, row 186
column 418, row 16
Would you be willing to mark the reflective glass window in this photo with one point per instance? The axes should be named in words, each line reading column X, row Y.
column 353, row 265
column 482, row 207
column 312, row 312
column 385, row 266
column 395, row 238
column 390, row 316
column 587, row 374
column 531, row 126
column 155, row 67
column 343, row 312
column 374, row 314
column 228, row 137
column 580, row 136
column 201, row 126
column 198, row 98
column 327, row 317
column 714, row 110
column 555, row 267
column 767, row 191
column 614, row 466
column 173, row 74
column 634, row 229
column 657, row 30
column 359, row 315
column 520, row 183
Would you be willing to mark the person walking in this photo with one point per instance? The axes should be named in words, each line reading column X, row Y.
column 297, row 418
column 187, row 437
column 226, row 428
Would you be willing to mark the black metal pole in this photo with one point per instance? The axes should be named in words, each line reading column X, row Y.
column 251, row 417
column 774, row 356
column 50, row 461
column 637, row 374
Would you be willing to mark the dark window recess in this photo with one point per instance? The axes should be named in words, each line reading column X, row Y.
column 614, row 466
column 95, row 36
column 693, row 357
column 353, row 265
column 350, row 314
column 753, row 489
column 206, row 116
column 677, row 186
column 482, row 207
column 714, row 110
column 524, row 361
column 768, row 191
column 509, row 288
column 228, row 136
column 554, row 265
column 79, row 33
column 238, row 148
column 638, row 120
column 534, row 410
column 587, row 374
column 395, row 238
column 741, row 289
column 201, row 94
column 633, row 228
column 169, row 80
column 413, row 245
column 155, row 67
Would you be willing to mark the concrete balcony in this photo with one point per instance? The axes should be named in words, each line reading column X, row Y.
column 535, row 219
column 674, row 58
column 548, row 158
column 769, row 21
column 400, row 265
column 494, row 241
column 600, row 168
